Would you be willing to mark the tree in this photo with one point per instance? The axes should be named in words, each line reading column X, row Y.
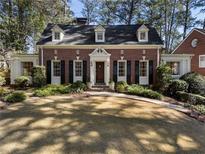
column 90, row 10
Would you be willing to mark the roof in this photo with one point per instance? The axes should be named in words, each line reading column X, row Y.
column 201, row 30
column 85, row 35
column 195, row 29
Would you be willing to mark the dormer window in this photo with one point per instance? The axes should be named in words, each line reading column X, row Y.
column 99, row 34
column 57, row 33
column 142, row 34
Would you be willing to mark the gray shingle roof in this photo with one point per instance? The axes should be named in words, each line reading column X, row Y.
column 85, row 35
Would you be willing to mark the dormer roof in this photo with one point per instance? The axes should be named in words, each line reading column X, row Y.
column 56, row 28
column 99, row 28
column 143, row 28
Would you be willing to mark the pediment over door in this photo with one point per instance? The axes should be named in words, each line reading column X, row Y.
column 100, row 52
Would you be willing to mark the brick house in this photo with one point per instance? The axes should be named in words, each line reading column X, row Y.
column 194, row 44
column 99, row 54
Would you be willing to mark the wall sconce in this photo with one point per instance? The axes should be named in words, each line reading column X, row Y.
column 143, row 52
column 122, row 52
column 55, row 52
column 77, row 52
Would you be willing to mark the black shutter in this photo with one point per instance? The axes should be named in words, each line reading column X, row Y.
column 84, row 71
column 48, row 71
column 115, row 71
column 137, row 72
column 151, row 72
column 129, row 72
column 62, row 71
column 71, row 71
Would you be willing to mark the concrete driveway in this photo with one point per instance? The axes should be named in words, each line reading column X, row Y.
column 97, row 124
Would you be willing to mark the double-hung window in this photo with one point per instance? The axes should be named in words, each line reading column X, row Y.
column 121, row 68
column 57, row 35
column 78, row 68
column 202, row 61
column 56, row 68
column 27, row 68
column 174, row 67
column 143, row 68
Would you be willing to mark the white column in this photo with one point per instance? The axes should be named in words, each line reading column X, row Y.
column 107, row 71
column 92, row 80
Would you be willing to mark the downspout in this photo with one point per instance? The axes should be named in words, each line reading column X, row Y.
column 41, row 56
column 158, row 57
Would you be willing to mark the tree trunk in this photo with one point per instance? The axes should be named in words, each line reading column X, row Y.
column 186, row 18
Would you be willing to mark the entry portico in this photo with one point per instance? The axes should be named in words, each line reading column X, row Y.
column 99, row 55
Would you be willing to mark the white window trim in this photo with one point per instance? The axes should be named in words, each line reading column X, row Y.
column 146, row 36
column 77, row 78
column 144, row 80
column 122, row 78
column 53, row 36
column 200, row 65
column 96, row 36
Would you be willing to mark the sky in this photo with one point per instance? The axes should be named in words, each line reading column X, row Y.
column 76, row 7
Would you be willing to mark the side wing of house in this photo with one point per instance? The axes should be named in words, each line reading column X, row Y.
column 194, row 44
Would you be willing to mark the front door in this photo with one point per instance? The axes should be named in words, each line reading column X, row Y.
column 144, row 73
column 99, row 72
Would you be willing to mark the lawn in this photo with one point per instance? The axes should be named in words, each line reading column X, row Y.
column 97, row 124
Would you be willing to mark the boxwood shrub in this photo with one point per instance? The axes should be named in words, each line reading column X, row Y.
column 2, row 81
column 190, row 98
column 38, row 76
column 144, row 92
column 78, row 86
column 22, row 82
column 15, row 97
column 121, row 86
column 177, row 85
column 196, row 83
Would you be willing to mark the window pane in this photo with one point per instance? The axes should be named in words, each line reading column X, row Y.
column 99, row 36
column 78, row 68
column 174, row 67
column 56, row 69
column 57, row 36
column 27, row 68
column 121, row 69
column 142, row 36
column 143, row 68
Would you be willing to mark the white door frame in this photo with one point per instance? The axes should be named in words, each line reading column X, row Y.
column 144, row 80
column 77, row 78
column 99, row 55
column 55, row 79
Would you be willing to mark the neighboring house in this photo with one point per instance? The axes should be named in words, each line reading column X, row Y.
column 194, row 44
column 100, row 54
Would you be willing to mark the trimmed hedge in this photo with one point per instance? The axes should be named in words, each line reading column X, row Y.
column 193, row 99
column 196, row 83
column 121, row 86
column 52, row 90
column 39, row 76
column 22, row 82
column 177, row 85
column 199, row 108
column 49, row 90
column 15, row 97
column 2, row 81
column 144, row 92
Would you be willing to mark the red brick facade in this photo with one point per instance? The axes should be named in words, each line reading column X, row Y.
column 186, row 48
column 129, row 54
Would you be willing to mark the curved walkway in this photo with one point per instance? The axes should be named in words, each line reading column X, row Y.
column 166, row 104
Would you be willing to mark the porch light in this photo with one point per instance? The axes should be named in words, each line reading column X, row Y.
column 77, row 52
column 55, row 52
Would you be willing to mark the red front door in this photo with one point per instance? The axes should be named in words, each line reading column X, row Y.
column 99, row 72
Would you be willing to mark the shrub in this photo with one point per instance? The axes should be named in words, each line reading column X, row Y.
column 177, row 85
column 38, row 76
column 21, row 82
column 5, row 73
column 2, row 81
column 199, row 108
column 164, row 77
column 15, row 97
column 121, row 86
column 78, row 86
column 190, row 98
column 196, row 83
column 141, row 91
column 2, row 91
